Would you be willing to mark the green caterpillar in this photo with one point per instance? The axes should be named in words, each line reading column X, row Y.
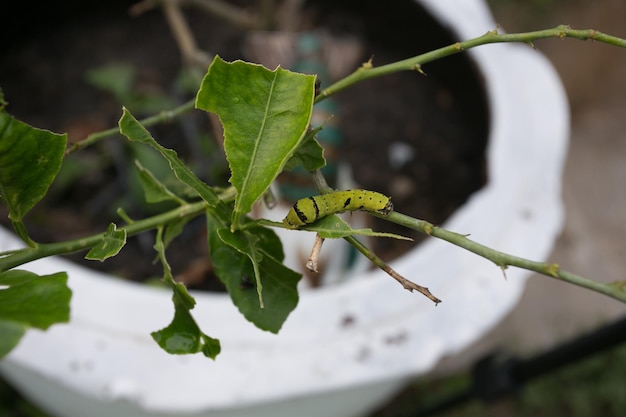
column 308, row 210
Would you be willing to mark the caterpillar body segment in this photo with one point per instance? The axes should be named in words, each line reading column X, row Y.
column 310, row 209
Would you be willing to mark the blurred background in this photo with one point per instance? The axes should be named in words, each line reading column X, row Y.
column 593, row 241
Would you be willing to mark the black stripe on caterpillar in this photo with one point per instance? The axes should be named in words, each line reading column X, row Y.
column 307, row 210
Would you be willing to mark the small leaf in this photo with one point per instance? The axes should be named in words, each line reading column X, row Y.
column 30, row 158
column 29, row 300
column 309, row 155
column 173, row 229
column 154, row 189
column 112, row 242
column 182, row 335
column 133, row 130
column 333, row 227
column 265, row 115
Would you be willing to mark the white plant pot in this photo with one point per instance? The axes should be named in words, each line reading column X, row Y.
column 346, row 348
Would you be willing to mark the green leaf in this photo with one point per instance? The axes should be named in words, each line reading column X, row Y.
column 309, row 155
column 236, row 269
column 119, row 80
column 112, row 242
column 333, row 227
column 182, row 335
column 154, row 189
column 29, row 300
column 10, row 335
column 30, row 158
column 133, row 130
column 265, row 115
column 246, row 243
column 173, row 229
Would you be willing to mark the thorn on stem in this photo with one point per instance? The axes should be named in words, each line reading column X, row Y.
column 503, row 269
column 410, row 285
column 419, row 69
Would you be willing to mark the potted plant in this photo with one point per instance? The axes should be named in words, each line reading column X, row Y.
column 346, row 347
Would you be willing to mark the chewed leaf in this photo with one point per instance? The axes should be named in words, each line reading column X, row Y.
column 242, row 268
column 30, row 159
column 112, row 242
column 265, row 115
column 184, row 336
column 135, row 131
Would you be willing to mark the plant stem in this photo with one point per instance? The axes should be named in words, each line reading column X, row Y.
column 616, row 290
column 164, row 116
column 367, row 71
column 22, row 256
column 407, row 284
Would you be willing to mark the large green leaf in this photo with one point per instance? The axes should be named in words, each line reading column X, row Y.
column 236, row 263
column 265, row 115
column 30, row 158
column 29, row 300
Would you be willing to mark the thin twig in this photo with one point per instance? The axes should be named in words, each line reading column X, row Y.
column 616, row 290
column 367, row 70
column 320, row 182
column 181, row 32
column 407, row 284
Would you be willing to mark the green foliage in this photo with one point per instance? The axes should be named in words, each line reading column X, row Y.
column 182, row 335
column 265, row 115
column 155, row 191
column 249, row 258
column 309, row 155
column 133, row 130
column 29, row 300
column 111, row 244
column 333, row 227
column 30, row 158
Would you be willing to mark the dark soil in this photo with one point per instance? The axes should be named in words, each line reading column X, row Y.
column 440, row 119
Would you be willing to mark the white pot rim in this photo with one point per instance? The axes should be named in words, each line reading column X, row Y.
column 367, row 331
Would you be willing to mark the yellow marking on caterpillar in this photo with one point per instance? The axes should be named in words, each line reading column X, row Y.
column 307, row 210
